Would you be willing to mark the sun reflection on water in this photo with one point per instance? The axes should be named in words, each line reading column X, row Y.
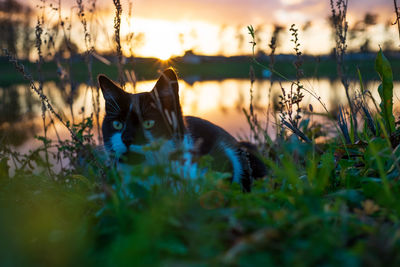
column 220, row 102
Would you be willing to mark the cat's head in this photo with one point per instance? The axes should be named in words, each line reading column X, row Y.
column 133, row 120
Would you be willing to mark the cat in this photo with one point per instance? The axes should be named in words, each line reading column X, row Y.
column 133, row 121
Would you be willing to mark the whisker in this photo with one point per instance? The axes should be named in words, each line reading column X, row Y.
column 115, row 102
column 112, row 107
column 108, row 146
column 100, row 149
column 113, row 114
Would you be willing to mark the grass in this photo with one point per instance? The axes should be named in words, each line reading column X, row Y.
column 330, row 203
column 328, row 209
column 336, row 205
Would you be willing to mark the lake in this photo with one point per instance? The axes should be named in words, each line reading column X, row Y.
column 219, row 101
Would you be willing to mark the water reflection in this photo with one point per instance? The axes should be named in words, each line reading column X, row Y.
column 16, row 112
column 220, row 102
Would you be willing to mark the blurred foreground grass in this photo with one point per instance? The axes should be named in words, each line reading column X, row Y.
column 311, row 209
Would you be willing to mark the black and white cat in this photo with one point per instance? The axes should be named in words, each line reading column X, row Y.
column 134, row 121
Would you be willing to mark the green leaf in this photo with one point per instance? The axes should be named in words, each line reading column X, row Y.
column 251, row 30
column 385, row 89
column 4, row 168
column 351, row 195
column 81, row 178
column 325, row 169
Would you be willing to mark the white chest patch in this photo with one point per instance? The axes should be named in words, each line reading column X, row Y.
column 117, row 145
column 235, row 161
column 158, row 153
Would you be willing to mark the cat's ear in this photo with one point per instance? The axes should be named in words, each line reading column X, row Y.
column 167, row 84
column 111, row 91
column 166, row 95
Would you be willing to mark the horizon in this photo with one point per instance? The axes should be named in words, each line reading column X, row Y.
column 219, row 28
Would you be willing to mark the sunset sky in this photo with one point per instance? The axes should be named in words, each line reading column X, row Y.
column 251, row 11
column 218, row 27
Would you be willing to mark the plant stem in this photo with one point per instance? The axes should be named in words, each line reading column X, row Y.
column 396, row 10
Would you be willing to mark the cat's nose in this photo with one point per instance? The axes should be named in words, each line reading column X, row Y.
column 127, row 140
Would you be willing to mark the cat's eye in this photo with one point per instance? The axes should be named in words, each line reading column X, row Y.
column 148, row 124
column 117, row 125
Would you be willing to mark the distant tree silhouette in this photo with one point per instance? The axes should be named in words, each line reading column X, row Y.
column 388, row 44
column 360, row 30
column 221, row 34
column 241, row 38
column 67, row 48
column 258, row 31
column 15, row 28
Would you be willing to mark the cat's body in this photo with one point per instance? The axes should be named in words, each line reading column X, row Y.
column 133, row 121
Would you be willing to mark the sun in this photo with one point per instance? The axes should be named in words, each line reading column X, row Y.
column 160, row 38
column 160, row 48
column 163, row 54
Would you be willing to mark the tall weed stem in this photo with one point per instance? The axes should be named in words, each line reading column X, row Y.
column 117, row 31
column 340, row 24
column 397, row 12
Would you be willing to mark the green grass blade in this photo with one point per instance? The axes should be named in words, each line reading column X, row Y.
column 382, row 66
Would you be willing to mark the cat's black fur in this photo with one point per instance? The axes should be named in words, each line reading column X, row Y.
column 134, row 119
